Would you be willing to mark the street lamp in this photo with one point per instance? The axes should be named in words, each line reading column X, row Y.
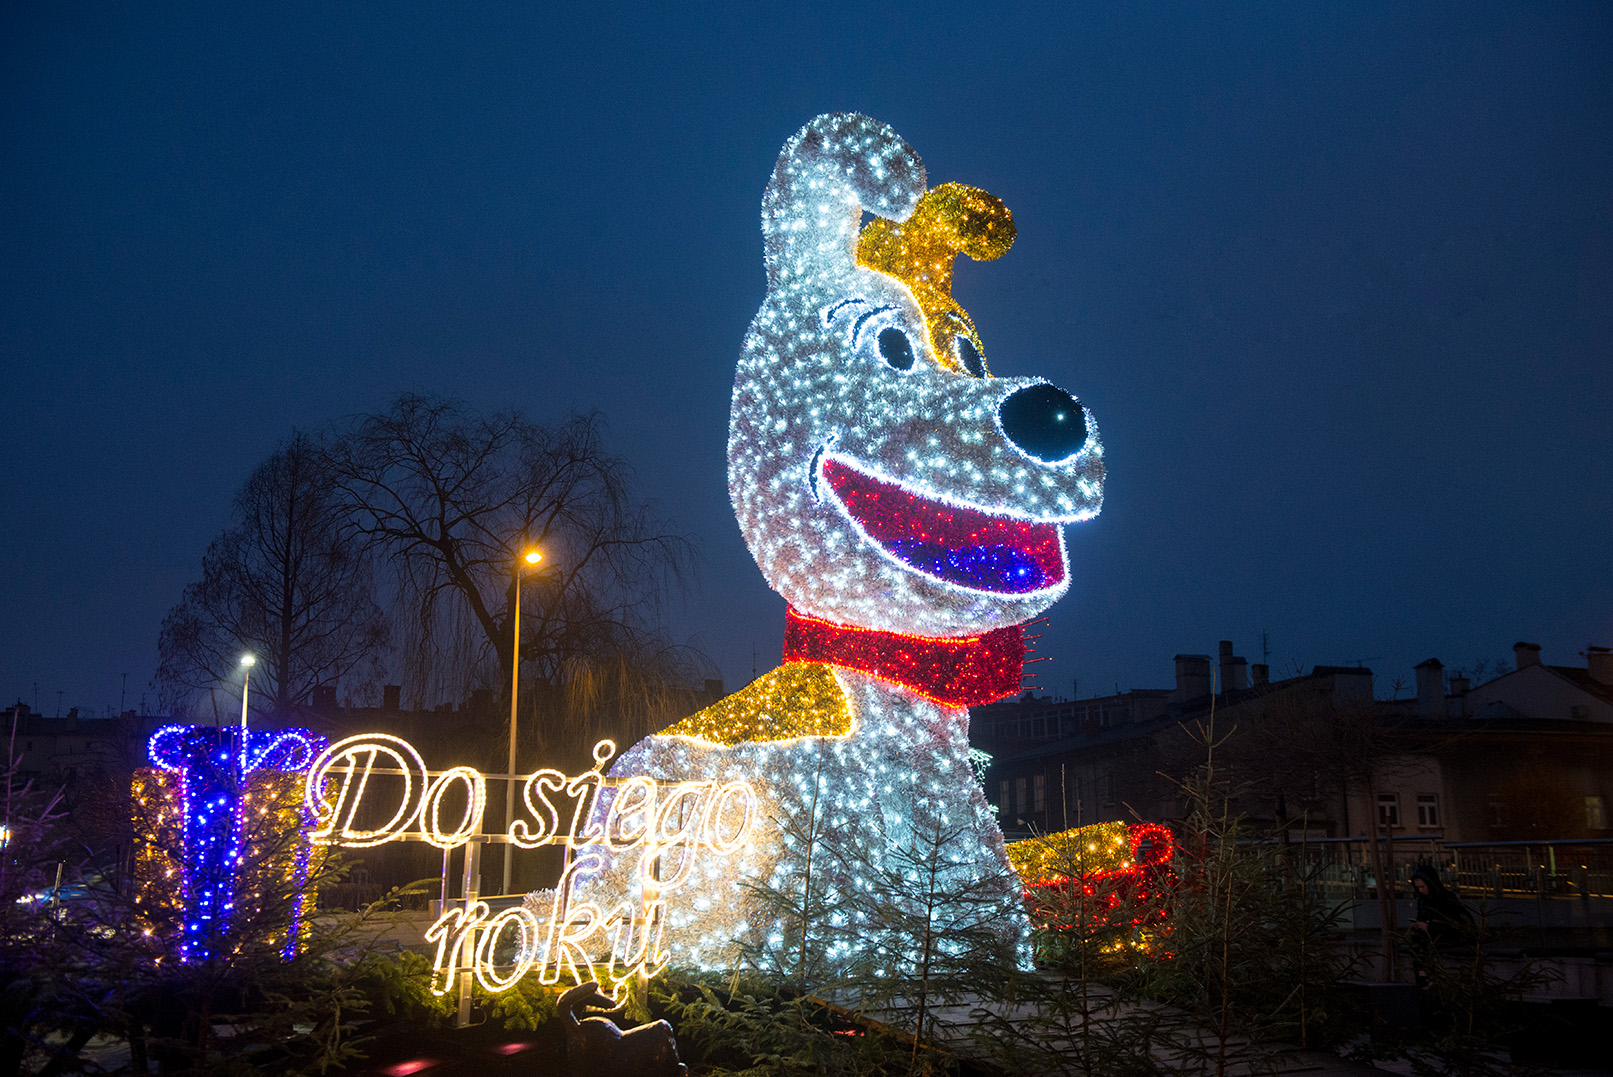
column 247, row 662
column 525, row 561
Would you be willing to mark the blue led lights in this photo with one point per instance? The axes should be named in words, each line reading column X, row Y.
column 229, row 790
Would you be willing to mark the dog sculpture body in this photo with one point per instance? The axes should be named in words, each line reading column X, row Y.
column 595, row 1047
column 909, row 506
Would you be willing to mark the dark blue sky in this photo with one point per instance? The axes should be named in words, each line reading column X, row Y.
column 1335, row 280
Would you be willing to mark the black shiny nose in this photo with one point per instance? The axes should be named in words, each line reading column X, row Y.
column 1044, row 421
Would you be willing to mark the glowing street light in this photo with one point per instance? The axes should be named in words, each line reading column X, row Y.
column 524, row 562
column 247, row 661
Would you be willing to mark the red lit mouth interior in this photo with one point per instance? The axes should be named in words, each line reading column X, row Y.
column 962, row 546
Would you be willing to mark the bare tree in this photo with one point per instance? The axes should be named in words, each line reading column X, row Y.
column 451, row 498
column 281, row 583
column 1306, row 754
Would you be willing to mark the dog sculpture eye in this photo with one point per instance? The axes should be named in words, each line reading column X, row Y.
column 896, row 349
column 969, row 357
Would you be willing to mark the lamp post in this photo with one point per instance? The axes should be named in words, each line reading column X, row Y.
column 531, row 557
column 247, row 662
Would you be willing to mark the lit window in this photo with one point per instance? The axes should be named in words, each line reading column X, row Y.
column 1595, row 813
column 1020, row 800
column 1005, row 796
column 1427, row 809
column 1039, row 793
column 1388, row 809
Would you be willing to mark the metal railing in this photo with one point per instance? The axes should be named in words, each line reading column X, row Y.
column 1342, row 868
column 1580, row 868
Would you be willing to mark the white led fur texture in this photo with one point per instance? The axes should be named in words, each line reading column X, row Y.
column 815, row 386
column 812, row 385
column 848, row 803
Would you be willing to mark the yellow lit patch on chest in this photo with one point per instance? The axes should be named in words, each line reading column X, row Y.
column 799, row 699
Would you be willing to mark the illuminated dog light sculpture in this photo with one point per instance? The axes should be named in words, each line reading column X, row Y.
column 909, row 506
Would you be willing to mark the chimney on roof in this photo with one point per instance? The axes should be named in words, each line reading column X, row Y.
column 1192, row 677
column 391, row 697
column 1600, row 663
column 1459, row 686
column 324, row 699
column 1431, row 688
column 1526, row 654
column 1260, row 673
column 1234, row 670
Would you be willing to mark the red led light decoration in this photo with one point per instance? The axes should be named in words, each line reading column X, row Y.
column 1110, row 892
column 960, row 545
column 952, row 672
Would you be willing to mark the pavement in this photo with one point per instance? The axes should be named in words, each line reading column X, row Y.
column 1185, row 1049
column 480, row 1051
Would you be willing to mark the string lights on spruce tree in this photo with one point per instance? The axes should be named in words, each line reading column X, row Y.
column 220, row 825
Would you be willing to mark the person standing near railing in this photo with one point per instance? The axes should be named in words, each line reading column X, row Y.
column 1441, row 920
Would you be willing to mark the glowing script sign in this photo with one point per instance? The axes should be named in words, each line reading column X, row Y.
column 374, row 788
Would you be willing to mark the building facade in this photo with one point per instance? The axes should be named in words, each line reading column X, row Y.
column 1525, row 756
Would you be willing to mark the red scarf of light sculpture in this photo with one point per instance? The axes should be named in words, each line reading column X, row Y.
column 951, row 672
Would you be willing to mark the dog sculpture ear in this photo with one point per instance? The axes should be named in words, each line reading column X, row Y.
column 834, row 168
column 948, row 221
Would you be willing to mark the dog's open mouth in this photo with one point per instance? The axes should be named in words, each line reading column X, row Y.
column 963, row 546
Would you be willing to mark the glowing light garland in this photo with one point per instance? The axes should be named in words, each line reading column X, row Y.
column 1118, row 870
column 221, row 825
column 662, row 828
column 953, row 544
column 951, row 671
column 948, row 221
column 909, row 508
column 1100, row 848
column 799, row 699
column 470, row 822
column 358, row 755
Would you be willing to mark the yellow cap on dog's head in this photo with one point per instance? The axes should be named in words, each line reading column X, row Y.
column 948, row 221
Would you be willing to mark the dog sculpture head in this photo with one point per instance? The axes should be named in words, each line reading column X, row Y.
column 881, row 476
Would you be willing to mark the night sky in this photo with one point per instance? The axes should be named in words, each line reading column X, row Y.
column 1335, row 280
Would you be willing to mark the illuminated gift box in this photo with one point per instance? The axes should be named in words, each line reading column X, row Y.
column 221, row 838
column 1104, row 876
